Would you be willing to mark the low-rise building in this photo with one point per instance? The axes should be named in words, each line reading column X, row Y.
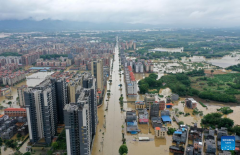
column 160, row 132
column 210, row 146
column 209, row 134
column 139, row 105
column 165, row 116
column 161, row 105
column 225, row 153
column 180, row 136
column 221, row 132
column 174, row 97
column 142, row 116
column 190, row 103
column 176, row 149
column 154, row 109
column 131, row 120
column 15, row 112
column 156, row 122
column 149, row 99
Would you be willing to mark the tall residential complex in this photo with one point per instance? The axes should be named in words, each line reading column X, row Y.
column 61, row 98
column 20, row 91
column 44, row 104
column 97, row 72
column 73, row 85
column 80, row 118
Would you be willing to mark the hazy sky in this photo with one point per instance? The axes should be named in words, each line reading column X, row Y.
column 165, row 12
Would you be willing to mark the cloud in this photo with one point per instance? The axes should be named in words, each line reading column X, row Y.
column 165, row 12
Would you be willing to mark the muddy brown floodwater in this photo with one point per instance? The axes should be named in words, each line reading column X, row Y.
column 109, row 131
column 31, row 80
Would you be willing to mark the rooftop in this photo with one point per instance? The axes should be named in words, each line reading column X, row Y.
column 166, row 118
column 15, row 109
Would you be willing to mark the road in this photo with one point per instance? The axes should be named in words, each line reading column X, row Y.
column 108, row 140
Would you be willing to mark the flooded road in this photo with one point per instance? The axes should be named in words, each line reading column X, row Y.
column 109, row 135
column 109, row 131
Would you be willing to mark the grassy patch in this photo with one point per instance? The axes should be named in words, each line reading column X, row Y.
column 202, row 104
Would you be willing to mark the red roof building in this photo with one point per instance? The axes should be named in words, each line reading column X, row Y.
column 15, row 112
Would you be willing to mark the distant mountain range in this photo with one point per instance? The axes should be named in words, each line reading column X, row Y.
column 57, row 25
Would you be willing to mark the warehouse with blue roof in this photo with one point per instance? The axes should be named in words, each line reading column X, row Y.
column 166, row 119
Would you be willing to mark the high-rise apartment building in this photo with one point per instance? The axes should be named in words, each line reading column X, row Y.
column 97, row 72
column 20, row 91
column 77, row 126
column 80, row 118
column 73, row 85
column 89, row 83
column 44, row 105
column 61, row 98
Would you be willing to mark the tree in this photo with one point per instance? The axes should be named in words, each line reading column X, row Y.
column 123, row 149
column 27, row 153
column 214, row 119
column 212, row 72
column 153, row 76
column 9, row 103
column 144, row 88
column 226, row 122
column 181, row 123
column 236, row 129
column 55, row 145
column 19, row 135
column 1, row 142
column 49, row 152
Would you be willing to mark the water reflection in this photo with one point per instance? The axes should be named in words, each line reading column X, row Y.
column 225, row 61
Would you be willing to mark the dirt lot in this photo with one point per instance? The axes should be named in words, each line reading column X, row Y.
column 208, row 71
